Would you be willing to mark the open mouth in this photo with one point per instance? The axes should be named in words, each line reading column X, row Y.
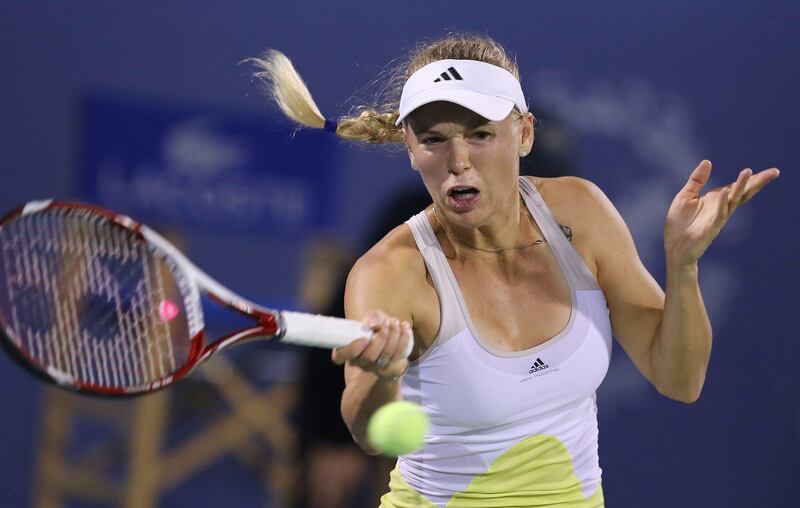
column 462, row 197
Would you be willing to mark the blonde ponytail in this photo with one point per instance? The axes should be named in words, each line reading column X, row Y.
column 283, row 84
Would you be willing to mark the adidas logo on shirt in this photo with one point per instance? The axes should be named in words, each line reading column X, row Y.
column 450, row 74
column 537, row 366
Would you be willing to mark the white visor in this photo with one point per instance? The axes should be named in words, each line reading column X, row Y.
column 483, row 88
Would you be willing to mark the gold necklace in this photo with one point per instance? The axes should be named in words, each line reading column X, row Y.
column 465, row 244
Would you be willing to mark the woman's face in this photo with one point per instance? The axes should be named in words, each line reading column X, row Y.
column 469, row 165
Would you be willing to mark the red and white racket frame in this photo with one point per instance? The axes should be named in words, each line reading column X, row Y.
column 285, row 326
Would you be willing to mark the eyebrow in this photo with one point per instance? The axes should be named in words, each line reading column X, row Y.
column 475, row 125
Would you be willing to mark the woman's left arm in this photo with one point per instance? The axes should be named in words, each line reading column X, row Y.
column 668, row 335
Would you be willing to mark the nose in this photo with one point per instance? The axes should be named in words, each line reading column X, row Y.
column 458, row 156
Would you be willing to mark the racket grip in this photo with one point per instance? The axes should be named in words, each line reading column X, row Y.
column 324, row 331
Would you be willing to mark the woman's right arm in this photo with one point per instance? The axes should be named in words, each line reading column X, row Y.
column 380, row 293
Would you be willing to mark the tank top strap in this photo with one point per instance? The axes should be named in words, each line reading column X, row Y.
column 578, row 275
column 452, row 318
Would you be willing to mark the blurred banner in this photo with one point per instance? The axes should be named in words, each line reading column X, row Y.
column 190, row 167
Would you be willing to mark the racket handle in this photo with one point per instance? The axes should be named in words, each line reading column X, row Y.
column 324, row 331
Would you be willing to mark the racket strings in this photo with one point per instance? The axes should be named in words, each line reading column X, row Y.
column 83, row 297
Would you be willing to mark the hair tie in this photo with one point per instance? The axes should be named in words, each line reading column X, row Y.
column 331, row 126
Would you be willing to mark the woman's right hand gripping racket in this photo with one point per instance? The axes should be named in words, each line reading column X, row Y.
column 96, row 302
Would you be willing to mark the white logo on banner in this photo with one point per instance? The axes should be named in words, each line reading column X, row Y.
column 193, row 148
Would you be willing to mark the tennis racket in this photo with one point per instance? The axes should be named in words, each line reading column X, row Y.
column 96, row 302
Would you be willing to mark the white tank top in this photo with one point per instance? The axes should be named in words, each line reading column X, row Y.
column 507, row 428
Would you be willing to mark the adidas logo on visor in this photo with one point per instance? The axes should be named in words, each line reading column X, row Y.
column 450, row 74
column 490, row 91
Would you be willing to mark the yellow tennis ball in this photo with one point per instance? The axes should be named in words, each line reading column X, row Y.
column 397, row 428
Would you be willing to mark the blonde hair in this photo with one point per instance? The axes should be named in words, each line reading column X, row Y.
column 373, row 123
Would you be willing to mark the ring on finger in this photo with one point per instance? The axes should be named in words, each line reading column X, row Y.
column 382, row 362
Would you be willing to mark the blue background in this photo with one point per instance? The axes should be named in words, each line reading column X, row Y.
column 647, row 88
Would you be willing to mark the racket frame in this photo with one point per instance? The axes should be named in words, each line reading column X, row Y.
column 270, row 323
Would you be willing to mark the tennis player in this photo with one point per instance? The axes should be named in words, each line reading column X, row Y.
column 510, row 287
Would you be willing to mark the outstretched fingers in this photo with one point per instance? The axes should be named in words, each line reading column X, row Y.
column 694, row 220
column 697, row 180
column 738, row 188
column 757, row 182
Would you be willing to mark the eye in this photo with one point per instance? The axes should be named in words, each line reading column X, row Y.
column 431, row 140
column 482, row 134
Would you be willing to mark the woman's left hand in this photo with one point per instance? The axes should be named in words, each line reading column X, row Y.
column 693, row 221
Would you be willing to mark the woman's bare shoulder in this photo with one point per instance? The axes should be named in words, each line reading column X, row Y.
column 566, row 188
column 387, row 273
column 574, row 200
column 397, row 251
column 585, row 209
